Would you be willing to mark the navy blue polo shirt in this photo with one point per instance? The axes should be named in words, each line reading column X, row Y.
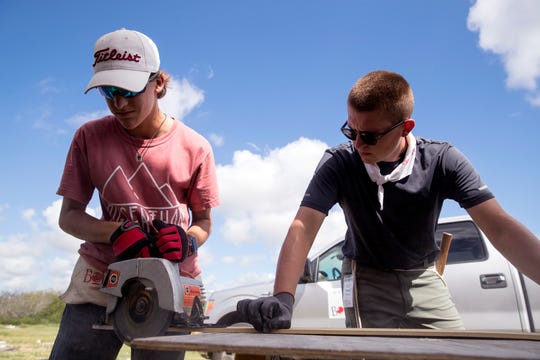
column 402, row 235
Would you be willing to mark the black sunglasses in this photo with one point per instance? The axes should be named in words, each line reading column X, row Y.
column 367, row 137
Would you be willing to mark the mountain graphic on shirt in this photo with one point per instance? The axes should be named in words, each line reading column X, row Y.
column 122, row 189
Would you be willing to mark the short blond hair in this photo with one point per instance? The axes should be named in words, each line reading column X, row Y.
column 383, row 90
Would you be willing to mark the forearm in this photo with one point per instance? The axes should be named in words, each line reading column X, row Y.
column 201, row 226
column 295, row 249
column 291, row 262
column 519, row 245
column 75, row 221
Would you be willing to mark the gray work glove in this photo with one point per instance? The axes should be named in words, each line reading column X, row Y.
column 267, row 313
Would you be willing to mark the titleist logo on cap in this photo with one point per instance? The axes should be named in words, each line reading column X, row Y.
column 124, row 59
column 106, row 55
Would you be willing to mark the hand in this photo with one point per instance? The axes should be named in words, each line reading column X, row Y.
column 267, row 313
column 171, row 241
column 129, row 241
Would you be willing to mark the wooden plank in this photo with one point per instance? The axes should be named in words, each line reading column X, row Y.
column 345, row 347
column 467, row 334
column 431, row 333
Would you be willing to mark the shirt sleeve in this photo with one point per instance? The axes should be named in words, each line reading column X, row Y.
column 469, row 189
column 322, row 191
column 76, row 181
column 204, row 192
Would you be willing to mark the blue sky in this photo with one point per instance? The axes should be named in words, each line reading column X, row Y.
column 266, row 82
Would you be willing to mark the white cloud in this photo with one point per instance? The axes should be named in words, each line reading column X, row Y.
column 254, row 146
column 206, row 257
column 19, row 265
column 59, row 271
column 17, row 246
column 260, row 194
column 257, row 183
column 28, row 214
column 46, row 86
column 51, row 214
column 511, row 29
column 81, row 118
column 3, row 207
column 216, row 140
column 245, row 278
column 41, row 258
column 181, row 98
column 246, row 260
column 534, row 99
column 55, row 236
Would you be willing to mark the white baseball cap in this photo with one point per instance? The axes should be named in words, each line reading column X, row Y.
column 125, row 59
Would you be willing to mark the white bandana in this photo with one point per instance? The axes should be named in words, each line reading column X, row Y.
column 403, row 170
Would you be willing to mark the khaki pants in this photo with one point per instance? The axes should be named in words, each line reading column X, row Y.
column 404, row 299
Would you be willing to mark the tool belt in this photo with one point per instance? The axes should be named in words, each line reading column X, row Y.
column 85, row 284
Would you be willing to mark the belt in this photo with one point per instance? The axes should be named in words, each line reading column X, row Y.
column 418, row 267
column 426, row 264
column 424, row 267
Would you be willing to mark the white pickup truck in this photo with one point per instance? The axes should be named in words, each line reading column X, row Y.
column 490, row 294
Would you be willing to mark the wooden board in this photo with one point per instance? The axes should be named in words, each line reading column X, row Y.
column 344, row 347
column 430, row 333
column 466, row 334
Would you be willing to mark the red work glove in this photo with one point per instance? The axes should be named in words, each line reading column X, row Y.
column 171, row 242
column 129, row 241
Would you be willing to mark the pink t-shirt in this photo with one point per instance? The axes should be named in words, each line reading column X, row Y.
column 176, row 174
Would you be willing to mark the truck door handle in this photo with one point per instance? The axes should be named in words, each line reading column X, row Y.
column 493, row 281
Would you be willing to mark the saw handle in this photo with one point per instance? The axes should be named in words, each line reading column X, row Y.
column 443, row 255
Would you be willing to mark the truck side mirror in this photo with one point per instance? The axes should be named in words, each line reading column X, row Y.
column 307, row 274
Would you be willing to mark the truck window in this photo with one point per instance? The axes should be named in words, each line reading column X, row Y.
column 330, row 264
column 467, row 244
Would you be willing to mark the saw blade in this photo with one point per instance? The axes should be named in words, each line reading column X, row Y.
column 138, row 314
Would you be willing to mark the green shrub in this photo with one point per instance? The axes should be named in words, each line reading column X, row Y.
column 53, row 312
column 40, row 307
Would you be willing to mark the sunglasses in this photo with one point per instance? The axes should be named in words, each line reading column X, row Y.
column 109, row 92
column 367, row 137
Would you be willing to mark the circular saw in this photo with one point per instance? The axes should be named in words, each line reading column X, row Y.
column 149, row 296
column 138, row 314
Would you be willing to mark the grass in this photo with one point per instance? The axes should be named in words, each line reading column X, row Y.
column 34, row 342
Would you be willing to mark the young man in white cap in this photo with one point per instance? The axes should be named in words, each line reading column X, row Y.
column 391, row 186
column 156, row 182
